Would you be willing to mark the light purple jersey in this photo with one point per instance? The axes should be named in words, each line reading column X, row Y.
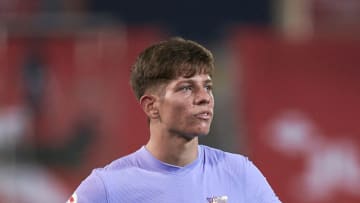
column 215, row 176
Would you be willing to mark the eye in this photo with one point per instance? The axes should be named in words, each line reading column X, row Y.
column 208, row 87
column 186, row 88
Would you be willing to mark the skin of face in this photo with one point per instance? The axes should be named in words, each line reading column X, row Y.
column 186, row 106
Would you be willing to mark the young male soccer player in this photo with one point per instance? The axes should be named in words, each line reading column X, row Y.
column 172, row 82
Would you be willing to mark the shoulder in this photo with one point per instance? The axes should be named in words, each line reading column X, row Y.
column 94, row 188
column 124, row 162
column 233, row 162
column 91, row 189
column 214, row 155
column 242, row 170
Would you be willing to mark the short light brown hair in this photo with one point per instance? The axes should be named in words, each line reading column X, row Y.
column 168, row 60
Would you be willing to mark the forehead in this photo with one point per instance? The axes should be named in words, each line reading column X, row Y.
column 195, row 78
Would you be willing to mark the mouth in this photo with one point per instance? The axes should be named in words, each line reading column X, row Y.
column 205, row 115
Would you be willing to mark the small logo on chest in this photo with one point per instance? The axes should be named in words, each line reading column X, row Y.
column 218, row 199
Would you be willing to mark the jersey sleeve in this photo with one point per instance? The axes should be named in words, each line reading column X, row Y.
column 91, row 190
column 258, row 189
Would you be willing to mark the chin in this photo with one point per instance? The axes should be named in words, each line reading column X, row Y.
column 202, row 132
column 193, row 134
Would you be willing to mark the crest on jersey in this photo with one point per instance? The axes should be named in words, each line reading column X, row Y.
column 218, row 199
column 73, row 199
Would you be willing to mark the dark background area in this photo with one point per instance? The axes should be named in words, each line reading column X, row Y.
column 199, row 20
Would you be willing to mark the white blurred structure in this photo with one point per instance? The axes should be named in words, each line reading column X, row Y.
column 330, row 165
column 23, row 182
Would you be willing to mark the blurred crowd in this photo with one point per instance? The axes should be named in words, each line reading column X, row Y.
column 64, row 68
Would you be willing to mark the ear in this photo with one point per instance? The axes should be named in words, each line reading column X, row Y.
column 149, row 106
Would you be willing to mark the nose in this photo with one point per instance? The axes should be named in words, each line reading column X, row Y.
column 203, row 96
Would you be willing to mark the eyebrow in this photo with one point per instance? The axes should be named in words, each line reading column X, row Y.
column 193, row 81
column 208, row 81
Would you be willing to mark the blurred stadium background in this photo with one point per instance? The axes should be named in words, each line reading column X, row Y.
column 286, row 89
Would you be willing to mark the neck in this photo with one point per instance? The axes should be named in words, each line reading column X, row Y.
column 172, row 148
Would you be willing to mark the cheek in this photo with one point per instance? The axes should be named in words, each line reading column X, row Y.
column 179, row 110
column 174, row 110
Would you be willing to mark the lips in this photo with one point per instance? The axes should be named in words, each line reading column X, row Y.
column 205, row 115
